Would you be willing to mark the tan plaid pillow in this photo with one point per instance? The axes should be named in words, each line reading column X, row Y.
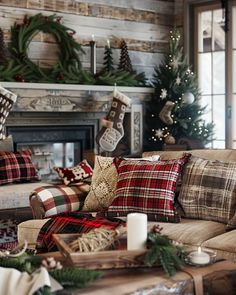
column 208, row 190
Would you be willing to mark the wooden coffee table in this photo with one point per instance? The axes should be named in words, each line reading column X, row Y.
column 219, row 278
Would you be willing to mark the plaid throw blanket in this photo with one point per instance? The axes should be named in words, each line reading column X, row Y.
column 75, row 222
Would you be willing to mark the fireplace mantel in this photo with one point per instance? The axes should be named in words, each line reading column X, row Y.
column 63, row 104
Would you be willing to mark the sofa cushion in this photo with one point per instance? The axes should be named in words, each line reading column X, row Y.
column 75, row 174
column 224, row 244
column 103, row 185
column 104, row 181
column 29, row 230
column 57, row 198
column 16, row 195
column 6, row 144
column 17, row 167
column 210, row 154
column 208, row 190
column 191, row 232
column 147, row 187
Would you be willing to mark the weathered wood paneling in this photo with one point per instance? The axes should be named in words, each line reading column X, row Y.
column 144, row 25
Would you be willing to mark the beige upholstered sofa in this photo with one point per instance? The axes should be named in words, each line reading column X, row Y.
column 190, row 232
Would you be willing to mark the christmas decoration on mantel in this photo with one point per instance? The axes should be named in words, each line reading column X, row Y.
column 175, row 112
column 68, row 70
column 124, row 75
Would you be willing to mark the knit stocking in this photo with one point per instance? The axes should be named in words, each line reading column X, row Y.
column 7, row 100
column 112, row 127
column 165, row 113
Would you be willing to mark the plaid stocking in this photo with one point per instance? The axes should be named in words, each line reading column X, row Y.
column 7, row 100
column 112, row 130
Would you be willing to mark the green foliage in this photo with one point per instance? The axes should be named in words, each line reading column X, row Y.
column 67, row 277
column 162, row 250
column 21, row 68
column 175, row 76
column 69, row 69
column 108, row 65
column 74, row 277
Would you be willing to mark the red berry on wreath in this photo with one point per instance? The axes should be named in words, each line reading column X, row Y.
column 19, row 78
column 60, row 77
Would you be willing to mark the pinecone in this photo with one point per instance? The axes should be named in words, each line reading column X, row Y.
column 125, row 62
column 3, row 50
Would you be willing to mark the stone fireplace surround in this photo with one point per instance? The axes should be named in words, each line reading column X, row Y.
column 58, row 106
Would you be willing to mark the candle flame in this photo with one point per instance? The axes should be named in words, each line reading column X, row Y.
column 199, row 249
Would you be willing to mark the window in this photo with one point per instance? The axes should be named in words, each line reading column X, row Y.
column 215, row 63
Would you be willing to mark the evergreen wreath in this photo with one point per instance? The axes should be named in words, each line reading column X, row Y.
column 22, row 35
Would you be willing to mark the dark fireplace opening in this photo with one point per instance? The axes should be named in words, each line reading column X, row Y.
column 61, row 146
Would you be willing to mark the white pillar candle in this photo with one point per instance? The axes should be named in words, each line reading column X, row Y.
column 136, row 231
column 199, row 257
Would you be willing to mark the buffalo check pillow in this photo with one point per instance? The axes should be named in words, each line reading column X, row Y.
column 17, row 167
column 59, row 198
column 75, row 174
column 147, row 187
column 208, row 191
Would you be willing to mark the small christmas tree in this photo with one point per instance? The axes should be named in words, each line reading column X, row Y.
column 3, row 50
column 125, row 62
column 175, row 112
column 108, row 64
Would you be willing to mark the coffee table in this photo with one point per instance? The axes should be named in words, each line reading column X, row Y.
column 218, row 278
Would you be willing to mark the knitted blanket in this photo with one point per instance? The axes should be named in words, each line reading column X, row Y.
column 75, row 222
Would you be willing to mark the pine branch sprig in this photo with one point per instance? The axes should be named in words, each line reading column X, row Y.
column 162, row 250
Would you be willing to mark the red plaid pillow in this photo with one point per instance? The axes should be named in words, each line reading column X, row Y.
column 147, row 187
column 75, row 174
column 17, row 167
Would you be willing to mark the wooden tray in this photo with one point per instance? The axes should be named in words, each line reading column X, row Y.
column 114, row 258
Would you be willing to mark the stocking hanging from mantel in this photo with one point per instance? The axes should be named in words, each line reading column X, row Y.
column 7, row 99
column 112, row 125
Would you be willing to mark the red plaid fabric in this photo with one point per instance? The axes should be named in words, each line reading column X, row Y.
column 75, row 174
column 16, row 167
column 147, row 187
column 56, row 199
column 76, row 222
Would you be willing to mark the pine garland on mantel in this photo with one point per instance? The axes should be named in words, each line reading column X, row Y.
column 68, row 70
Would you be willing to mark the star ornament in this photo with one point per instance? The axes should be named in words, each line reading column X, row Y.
column 159, row 133
column 178, row 80
column 175, row 63
column 163, row 94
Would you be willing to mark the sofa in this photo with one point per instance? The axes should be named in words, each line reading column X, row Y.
column 191, row 232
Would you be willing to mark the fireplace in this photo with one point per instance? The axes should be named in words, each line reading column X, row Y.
column 59, row 123
column 61, row 146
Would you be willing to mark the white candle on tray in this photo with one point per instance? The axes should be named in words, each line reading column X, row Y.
column 199, row 257
column 136, row 231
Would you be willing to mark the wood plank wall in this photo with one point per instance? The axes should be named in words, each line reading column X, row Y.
column 144, row 25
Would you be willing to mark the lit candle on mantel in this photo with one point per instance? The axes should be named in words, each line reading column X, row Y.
column 136, row 231
column 93, row 55
column 199, row 257
column 108, row 43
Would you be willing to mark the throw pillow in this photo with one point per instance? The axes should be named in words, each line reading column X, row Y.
column 147, row 187
column 103, row 185
column 50, row 200
column 75, row 174
column 6, row 144
column 17, row 167
column 208, row 190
